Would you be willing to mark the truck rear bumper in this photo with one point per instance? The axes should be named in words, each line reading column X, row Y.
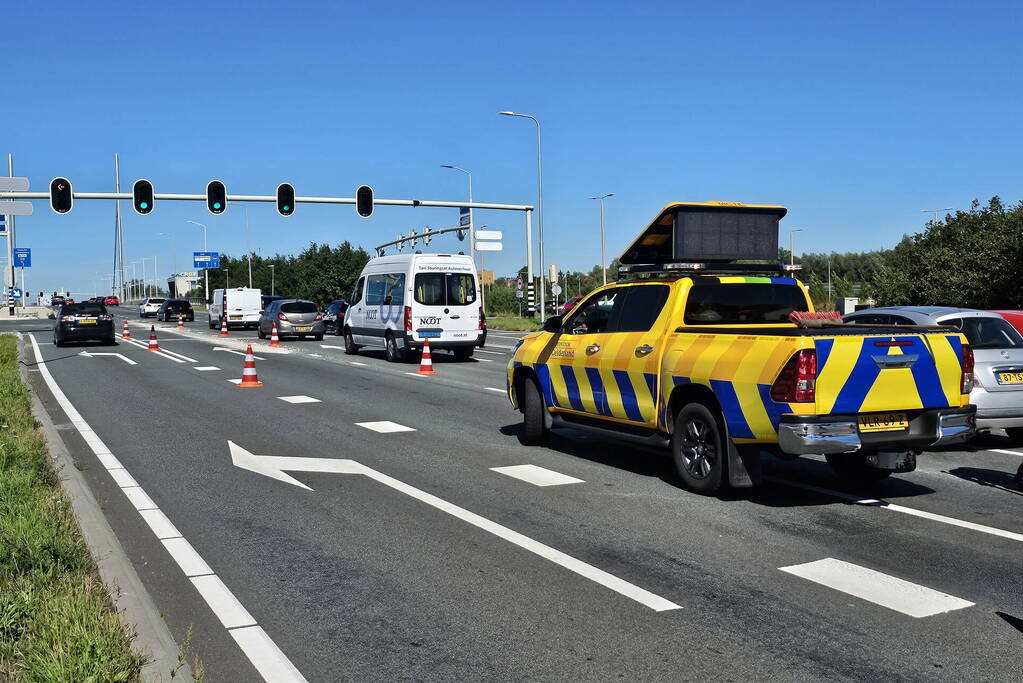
column 828, row 434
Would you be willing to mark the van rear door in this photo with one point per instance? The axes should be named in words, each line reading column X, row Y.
column 446, row 304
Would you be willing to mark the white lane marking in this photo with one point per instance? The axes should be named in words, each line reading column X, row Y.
column 139, row 498
column 231, row 613
column 496, row 353
column 299, row 399
column 881, row 589
column 122, row 478
column 384, row 427
column 159, row 353
column 206, row 368
column 355, row 362
column 155, row 519
column 885, row 505
column 262, row 652
column 495, row 346
column 500, row 391
column 329, row 346
column 235, row 381
column 183, row 357
column 483, row 360
column 237, row 353
column 127, row 360
column 316, row 355
column 999, row 450
column 538, row 476
column 416, row 374
column 184, row 554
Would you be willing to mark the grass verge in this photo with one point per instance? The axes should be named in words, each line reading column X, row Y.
column 57, row 622
column 513, row 324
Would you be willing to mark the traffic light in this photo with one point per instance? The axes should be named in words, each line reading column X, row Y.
column 142, row 196
column 461, row 235
column 61, row 198
column 216, row 197
column 364, row 201
column 285, row 199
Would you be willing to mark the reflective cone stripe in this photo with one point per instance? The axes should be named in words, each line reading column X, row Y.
column 223, row 326
column 249, row 378
column 181, row 320
column 426, row 364
column 125, row 334
column 153, row 346
column 274, row 339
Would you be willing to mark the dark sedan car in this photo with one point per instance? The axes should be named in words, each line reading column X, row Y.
column 334, row 316
column 83, row 322
column 172, row 308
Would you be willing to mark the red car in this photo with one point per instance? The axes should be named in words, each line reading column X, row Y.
column 1014, row 318
column 111, row 301
column 569, row 305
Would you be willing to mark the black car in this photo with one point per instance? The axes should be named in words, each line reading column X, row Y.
column 172, row 308
column 265, row 299
column 56, row 300
column 334, row 316
column 83, row 322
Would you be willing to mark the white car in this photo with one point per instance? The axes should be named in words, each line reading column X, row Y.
column 149, row 307
column 400, row 301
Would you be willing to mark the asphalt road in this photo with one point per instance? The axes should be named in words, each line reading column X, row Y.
column 431, row 565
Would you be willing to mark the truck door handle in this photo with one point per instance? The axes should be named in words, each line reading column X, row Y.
column 592, row 349
column 455, row 317
column 643, row 350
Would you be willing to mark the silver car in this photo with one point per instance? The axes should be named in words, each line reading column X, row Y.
column 294, row 317
column 997, row 351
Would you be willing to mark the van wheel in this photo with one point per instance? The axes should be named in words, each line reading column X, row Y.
column 854, row 467
column 533, row 408
column 260, row 333
column 209, row 321
column 394, row 354
column 350, row 348
column 698, row 449
column 463, row 354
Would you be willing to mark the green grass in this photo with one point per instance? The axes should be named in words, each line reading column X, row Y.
column 57, row 622
column 513, row 324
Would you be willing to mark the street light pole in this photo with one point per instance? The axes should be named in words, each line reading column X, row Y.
column 603, row 257
column 272, row 273
column 205, row 271
column 539, row 205
column 227, row 278
column 792, row 242
column 472, row 225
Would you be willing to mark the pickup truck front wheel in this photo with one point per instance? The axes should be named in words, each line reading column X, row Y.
column 534, row 431
column 697, row 449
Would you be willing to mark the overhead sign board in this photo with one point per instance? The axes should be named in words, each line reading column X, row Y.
column 23, row 257
column 489, row 234
column 13, row 184
column 3, row 225
column 488, row 246
column 16, row 208
column 206, row 259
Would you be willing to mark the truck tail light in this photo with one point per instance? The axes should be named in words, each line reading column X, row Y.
column 281, row 316
column 797, row 382
column 968, row 378
column 408, row 318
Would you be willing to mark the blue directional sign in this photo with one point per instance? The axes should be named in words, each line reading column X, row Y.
column 15, row 293
column 205, row 259
column 23, row 257
column 3, row 226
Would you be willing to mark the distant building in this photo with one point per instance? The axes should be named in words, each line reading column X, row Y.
column 180, row 284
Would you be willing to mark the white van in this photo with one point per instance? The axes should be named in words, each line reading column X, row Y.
column 241, row 305
column 401, row 300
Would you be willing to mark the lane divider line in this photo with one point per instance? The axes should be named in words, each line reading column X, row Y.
column 355, row 362
column 178, row 355
column 162, row 352
column 536, row 475
column 206, row 368
column 896, row 594
column 496, row 353
column 500, row 391
column 999, row 450
column 268, row 659
column 885, row 505
column 299, row 399
column 384, row 427
column 237, row 353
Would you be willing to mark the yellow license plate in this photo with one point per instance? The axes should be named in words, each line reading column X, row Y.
column 87, row 321
column 883, row 422
column 303, row 329
column 1010, row 377
column 234, row 317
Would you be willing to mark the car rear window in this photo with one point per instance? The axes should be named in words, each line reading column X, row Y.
column 83, row 309
column 156, row 301
column 299, row 307
column 179, row 305
column 738, row 304
column 445, row 289
column 987, row 333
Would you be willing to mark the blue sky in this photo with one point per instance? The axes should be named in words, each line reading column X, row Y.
column 853, row 115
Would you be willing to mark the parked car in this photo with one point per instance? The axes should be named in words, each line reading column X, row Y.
column 83, row 322
column 294, row 317
column 112, row 300
column 997, row 351
column 334, row 316
column 1014, row 318
column 150, row 306
column 171, row 309
column 265, row 300
column 569, row 305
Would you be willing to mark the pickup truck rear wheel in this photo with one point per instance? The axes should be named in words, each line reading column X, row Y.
column 697, row 449
column 854, row 467
column 535, row 426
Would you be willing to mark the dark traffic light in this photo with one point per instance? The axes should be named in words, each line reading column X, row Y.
column 61, row 199
column 285, row 199
column 364, row 201
column 216, row 197
column 142, row 196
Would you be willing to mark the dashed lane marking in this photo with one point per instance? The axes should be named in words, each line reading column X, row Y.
column 235, row 381
column 207, row 368
column 299, row 399
column 183, row 357
column 161, row 352
column 384, row 427
column 496, row 353
column 330, row 346
column 538, row 476
column 415, row 374
column 881, row 589
column 500, row 391
column 483, row 360
column 237, row 353
column 355, row 362
column 999, row 450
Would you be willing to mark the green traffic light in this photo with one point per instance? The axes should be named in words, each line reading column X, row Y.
column 216, row 205
column 143, row 205
column 286, row 207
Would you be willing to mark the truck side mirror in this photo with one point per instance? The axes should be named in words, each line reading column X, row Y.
column 552, row 324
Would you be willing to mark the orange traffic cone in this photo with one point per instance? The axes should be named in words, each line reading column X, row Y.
column 181, row 320
column 274, row 339
column 153, row 346
column 249, row 378
column 125, row 334
column 426, row 364
column 223, row 326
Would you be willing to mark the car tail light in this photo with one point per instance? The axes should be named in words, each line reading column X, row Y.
column 106, row 317
column 968, row 379
column 797, row 382
column 319, row 316
column 408, row 318
column 281, row 316
column 483, row 320
column 65, row 318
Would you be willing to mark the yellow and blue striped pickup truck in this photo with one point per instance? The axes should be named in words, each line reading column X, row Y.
column 705, row 361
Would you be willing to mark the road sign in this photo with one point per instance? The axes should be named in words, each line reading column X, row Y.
column 518, row 283
column 3, row 225
column 13, row 184
column 15, row 292
column 489, row 234
column 518, row 294
column 23, row 257
column 16, row 208
column 205, row 259
column 463, row 216
column 555, row 289
column 488, row 246
column 554, row 272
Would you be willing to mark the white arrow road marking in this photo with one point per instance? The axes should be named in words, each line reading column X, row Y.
column 274, row 466
column 328, row 346
column 237, row 353
column 127, row 360
column 881, row 589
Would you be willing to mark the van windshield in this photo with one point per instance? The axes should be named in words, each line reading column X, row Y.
column 445, row 289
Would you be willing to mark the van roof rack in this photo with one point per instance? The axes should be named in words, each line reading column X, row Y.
column 709, row 268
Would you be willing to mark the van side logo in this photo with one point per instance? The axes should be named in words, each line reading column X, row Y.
column 430, row 320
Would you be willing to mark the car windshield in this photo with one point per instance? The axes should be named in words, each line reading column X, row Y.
column 737, row 304
column 987, row 333
column 445, row 289
column 83, row 309
column 298, row 307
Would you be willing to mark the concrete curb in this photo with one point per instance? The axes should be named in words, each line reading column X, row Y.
column 131, row 599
